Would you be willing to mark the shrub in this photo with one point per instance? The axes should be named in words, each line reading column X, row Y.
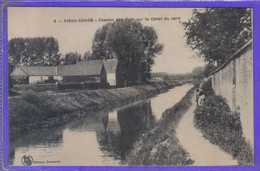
column 207, row 87
column 216, row 111
column 223, row 127
column 50, row 80
column 20, row 79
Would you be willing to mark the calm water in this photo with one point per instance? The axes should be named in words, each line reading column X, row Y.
column 99, row 139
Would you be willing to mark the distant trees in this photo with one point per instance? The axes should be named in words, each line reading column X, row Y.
column 209, row 68
column 38, row 51
column 87, row 56
column 217, row 33
column 72, row 58
column 186, row 76
column 198, row 73
column 134, row 45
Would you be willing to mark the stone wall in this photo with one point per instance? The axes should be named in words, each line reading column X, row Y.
column 234, row 81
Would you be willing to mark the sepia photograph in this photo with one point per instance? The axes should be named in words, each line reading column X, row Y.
column 126, row 86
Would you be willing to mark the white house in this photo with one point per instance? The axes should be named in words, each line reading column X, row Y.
column 111, row 70
column 36, row 74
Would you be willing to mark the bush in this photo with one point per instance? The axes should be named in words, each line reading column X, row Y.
column 50, row 80
column 223, row 127
column 216, row 110
column 20, row 79
column 207, row 87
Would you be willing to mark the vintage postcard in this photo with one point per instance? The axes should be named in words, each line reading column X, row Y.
column 129, row 86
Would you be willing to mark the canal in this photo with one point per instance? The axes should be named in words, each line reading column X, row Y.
column 99, row 139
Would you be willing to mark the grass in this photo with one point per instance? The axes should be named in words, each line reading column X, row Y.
column 222, row 127
column 32, row 110
column 160, row 146
column 35, row 87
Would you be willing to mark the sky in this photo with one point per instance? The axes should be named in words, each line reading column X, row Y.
column 71, row 27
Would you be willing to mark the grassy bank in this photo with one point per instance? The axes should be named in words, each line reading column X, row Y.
column 34, row 110
column 223, row 127
column 160, row 146
column 35, row 87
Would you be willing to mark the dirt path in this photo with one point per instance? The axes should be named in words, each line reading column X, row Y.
column 201, row 150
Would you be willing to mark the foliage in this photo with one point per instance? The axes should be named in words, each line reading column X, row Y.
column 217, row 33
column 209, row 68
column 50, row 80
column 207, row 87
column 100, row 47
column 167, row 76
column 134, row 45
column 72, row 58
column 198, row 72
column 87, row 56
column 33, row 51
column 20, row 79
column 222, row 126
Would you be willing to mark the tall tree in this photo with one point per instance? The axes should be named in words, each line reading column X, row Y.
column 33, row 51
column 134, row 45
column 72, row 58
column 151, row 49
column 100, row 46
column 217, row 33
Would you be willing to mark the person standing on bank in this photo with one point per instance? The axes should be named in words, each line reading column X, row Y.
column 197, row 96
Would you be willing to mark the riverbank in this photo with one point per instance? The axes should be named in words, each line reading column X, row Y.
column 199, row 148
column 160, row 146
column 223, row 127
column 31, row 111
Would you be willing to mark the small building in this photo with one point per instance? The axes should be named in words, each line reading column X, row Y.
column 36, row 74
column 87, row 72
column 91, row 73
column 111, row 67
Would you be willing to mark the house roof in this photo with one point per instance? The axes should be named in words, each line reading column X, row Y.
column 111, row 65
column 35, row 71
column 18, row 72
column 91, row 67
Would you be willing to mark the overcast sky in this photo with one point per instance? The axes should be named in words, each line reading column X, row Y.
column 77, row 36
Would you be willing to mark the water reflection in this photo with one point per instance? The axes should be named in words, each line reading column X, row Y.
column 99, row 139
column 103, row 139
column 120, row 134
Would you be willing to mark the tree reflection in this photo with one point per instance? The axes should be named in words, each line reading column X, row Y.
column 119, row 134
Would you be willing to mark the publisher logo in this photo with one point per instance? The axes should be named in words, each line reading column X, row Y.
column 27, row 160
